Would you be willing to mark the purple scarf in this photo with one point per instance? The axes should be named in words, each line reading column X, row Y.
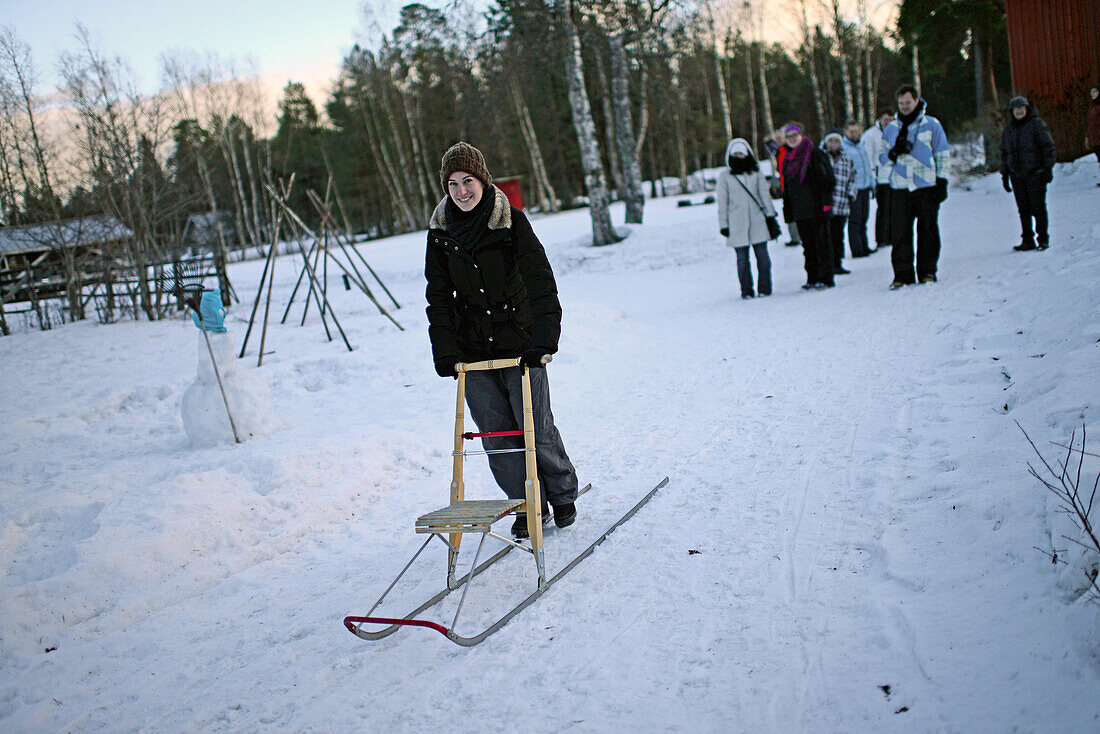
column 797, row 160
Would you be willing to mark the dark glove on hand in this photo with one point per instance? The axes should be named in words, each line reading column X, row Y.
column 1006, row 184
column 533, row 358
column 725, row 231
column 901, row 147
column 446, row 368
column 941, row 190
column 1046, row 175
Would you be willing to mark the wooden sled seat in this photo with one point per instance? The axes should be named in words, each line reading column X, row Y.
column 467, row 516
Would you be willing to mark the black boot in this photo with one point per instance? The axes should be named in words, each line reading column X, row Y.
column 565, row 515
column 1025, row 246
column 519, row 527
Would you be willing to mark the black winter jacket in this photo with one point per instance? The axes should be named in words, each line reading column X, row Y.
column 1026, row 145
column 496, row 299
column 806, row 199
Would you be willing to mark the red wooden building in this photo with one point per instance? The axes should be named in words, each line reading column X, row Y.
column 1054, row 47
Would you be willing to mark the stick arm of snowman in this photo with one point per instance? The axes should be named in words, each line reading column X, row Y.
column 192, row 296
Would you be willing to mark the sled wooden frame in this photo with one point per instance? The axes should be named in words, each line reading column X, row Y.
column 471, row 516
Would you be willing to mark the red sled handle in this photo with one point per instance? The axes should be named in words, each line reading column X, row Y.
column 351, row 622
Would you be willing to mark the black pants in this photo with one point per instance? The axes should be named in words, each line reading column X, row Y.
column 836, row 238
column 857, row 224
column 923, row 207
column 1031, row 202
column 496, row 404
column 817, row 250
column 882, row 215
column 763, row 268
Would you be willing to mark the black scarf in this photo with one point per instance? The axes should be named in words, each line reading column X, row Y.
column 746, row 164
column 468, row 227
column 903, row 145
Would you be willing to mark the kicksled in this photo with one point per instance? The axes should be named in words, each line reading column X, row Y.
column 463, row 516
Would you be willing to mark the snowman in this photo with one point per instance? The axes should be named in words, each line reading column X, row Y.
column 225, row 403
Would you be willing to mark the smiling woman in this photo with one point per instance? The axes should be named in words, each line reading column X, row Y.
column 492, row 295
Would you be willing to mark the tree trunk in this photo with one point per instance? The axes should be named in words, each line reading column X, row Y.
column 613, row 157
column 398, row 145
column 811, row 47
column 765, row 95
column 723, row 98
column 219, row 243
column 396, row 193
column 643, row 110
column 916, row 67
column 751, row 87
column 979, row 74
column 845, row 68
column 679, row 104
column 987, row 48
column 548, row 199
column 624, row 133
column 861, row 109
column 419, row 164
column 602, row 231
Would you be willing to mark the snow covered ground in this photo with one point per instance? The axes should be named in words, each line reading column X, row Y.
column 846, row 464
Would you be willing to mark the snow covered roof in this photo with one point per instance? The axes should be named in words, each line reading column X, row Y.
column 66, row 233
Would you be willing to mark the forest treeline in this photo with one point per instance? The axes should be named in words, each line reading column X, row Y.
column 583, row 100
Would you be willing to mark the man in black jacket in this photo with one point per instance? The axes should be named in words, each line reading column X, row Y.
column 1027, row 166
column 491, row 294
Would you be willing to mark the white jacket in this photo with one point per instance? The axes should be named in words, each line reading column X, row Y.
column 738, row 211
column 872, row 143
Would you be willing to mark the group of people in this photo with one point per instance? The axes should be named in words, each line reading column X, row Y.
column 902, row 161
column 827, row 191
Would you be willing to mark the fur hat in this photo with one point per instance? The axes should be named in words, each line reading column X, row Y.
column 464, row 157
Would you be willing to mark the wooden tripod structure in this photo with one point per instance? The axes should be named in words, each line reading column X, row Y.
column 285, row 217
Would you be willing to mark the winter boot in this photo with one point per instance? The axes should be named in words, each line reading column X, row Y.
column 565, row 515
column 519, row 527
column 1025, row 246
column 1042, row 245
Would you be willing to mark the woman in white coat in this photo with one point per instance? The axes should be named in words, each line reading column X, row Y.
column 744, row 208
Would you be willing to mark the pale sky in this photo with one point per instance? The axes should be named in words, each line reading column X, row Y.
column 300, row 40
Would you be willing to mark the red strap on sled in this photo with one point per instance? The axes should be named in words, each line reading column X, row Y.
column 350, row 623
column 491, row 434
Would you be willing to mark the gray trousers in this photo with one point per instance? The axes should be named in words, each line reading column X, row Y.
column 495, row 398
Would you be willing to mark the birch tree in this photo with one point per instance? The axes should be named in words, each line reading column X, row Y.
column 595, row 184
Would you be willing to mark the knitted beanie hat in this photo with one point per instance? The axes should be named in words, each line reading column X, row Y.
column 834, row 136
column 738, row 145
column 464, row 157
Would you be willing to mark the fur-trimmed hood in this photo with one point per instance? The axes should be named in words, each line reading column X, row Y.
column 501, row 217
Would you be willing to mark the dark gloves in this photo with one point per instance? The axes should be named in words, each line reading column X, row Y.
column 941, row 190
column 725, row 231
column 446, row 368
column 773, row 147
column 1046, row 175
column 901, row 147
column 1006, row 184
column 533, row 357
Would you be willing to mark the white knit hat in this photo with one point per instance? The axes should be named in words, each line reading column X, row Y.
column 738, row 145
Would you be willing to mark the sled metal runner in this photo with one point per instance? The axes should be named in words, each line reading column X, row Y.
column 355, row 624
column 461, row 516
